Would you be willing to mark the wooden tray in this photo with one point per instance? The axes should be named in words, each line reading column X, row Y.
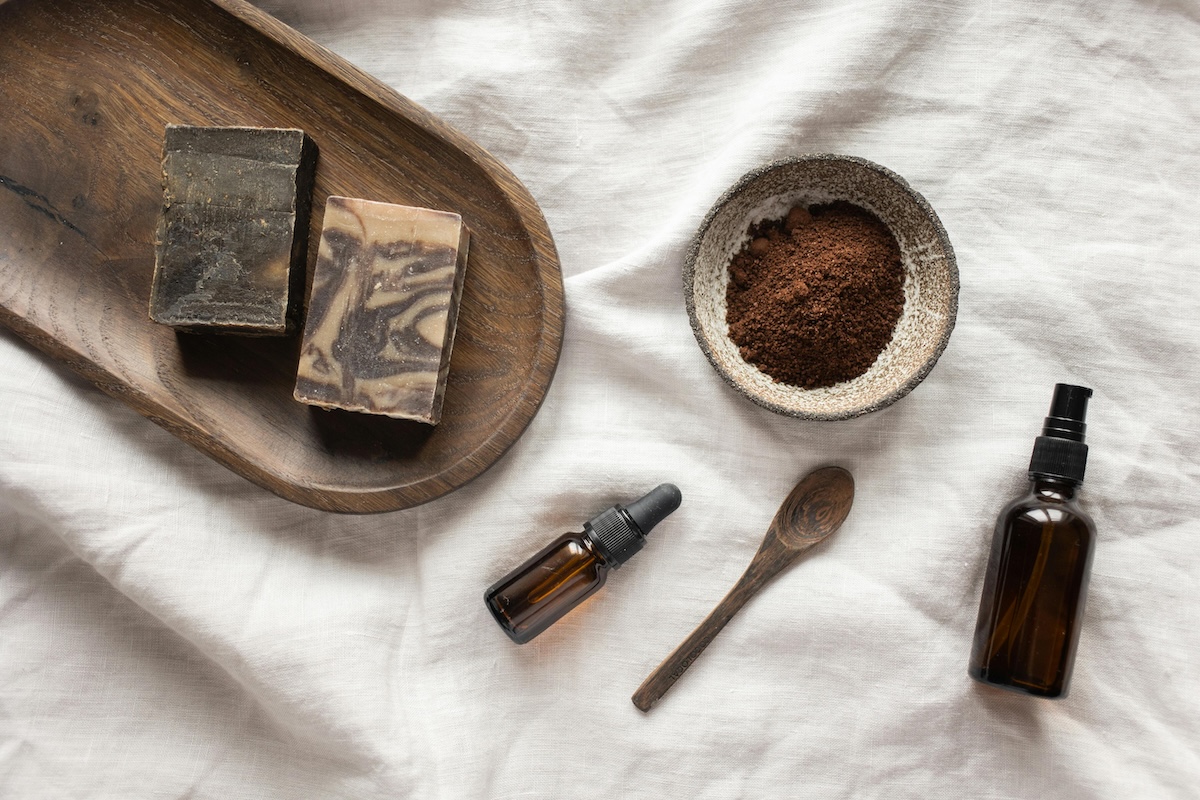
column 86, row 89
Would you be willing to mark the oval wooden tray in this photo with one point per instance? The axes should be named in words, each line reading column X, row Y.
column 87, row 89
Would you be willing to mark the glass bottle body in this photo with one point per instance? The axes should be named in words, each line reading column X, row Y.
column 541, row 591
column 1034, row 592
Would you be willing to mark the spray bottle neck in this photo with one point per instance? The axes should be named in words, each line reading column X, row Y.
column 1053, row 489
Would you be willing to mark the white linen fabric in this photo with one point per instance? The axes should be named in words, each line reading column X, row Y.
column 168, row 629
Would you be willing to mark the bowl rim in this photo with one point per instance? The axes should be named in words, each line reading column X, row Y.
column 689, row 274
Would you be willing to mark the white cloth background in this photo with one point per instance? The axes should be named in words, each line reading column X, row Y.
column 169, row 630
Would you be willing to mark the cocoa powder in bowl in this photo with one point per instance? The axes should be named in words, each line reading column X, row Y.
column 813, row 299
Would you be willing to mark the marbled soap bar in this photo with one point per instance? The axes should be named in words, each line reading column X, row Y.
column 383, row 309
column 233, row 233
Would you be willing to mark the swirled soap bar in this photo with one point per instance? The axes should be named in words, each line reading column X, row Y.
column 383, row 309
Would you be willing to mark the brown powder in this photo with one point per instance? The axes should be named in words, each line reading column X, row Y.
column 814, row 298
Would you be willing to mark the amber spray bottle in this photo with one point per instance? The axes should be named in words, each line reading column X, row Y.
column 574, row 566
column 1037, row 575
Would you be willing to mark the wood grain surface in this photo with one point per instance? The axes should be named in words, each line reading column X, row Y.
column 87, row 89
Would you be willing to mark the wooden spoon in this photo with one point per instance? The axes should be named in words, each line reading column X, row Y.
column 812, row 511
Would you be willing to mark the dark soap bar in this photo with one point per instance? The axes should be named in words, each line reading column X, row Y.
column 233, row 235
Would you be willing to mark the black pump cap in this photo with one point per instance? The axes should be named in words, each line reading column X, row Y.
column 1060, row 452
column 1068, row 410
column 621, row 531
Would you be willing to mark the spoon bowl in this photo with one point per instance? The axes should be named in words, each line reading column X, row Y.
column 812, row 511
column 815, row 508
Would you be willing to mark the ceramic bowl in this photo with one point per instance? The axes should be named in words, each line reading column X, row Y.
column 930, row 280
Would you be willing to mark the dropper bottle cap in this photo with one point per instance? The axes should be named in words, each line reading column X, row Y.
column 1060, row 451
column 621, row 531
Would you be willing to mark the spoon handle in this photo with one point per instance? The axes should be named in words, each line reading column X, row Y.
column 664, row 676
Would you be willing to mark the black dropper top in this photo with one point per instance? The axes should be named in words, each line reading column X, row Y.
column 621, row 531
column 1060, row 452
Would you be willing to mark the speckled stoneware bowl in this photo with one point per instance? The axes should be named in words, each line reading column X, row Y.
column 930, row 280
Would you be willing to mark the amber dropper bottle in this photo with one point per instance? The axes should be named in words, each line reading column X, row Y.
column 574, row 566
column 1037, row 574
